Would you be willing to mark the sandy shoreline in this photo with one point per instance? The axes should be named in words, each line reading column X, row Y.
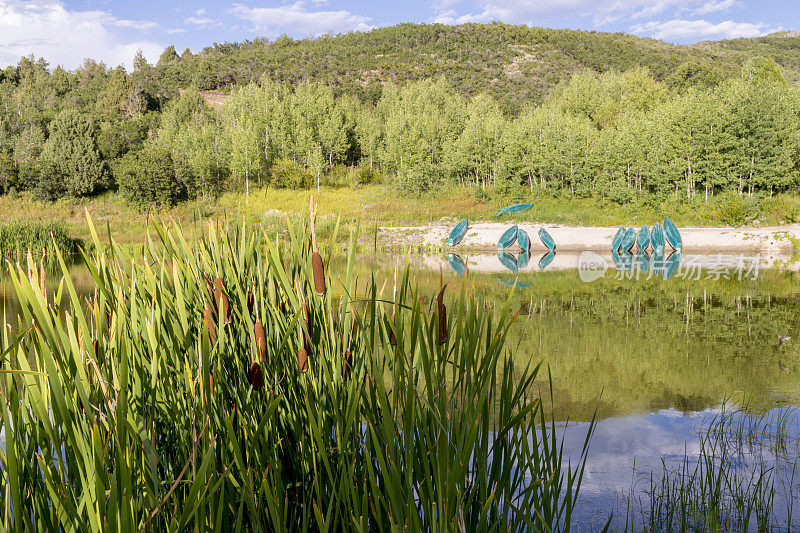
column 483, row 236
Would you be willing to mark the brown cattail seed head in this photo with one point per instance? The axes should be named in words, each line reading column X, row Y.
column 442, row 316
column 319, row 273
column 226, row 307
column 302, row 360
column 208, row 318
column 255, row 377
column 347, row 365
column 251, row 302
column 261, row 341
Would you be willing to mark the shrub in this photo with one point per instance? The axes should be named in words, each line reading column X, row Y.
column 285, row 174
column 734, row 209
column 46, row 181
column 72, row 152
column 780, row 208
column 418, row 179
column 150, row 177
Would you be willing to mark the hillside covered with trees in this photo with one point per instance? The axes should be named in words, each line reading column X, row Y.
column 492, row 107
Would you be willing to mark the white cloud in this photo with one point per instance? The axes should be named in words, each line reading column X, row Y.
column 700, row 29
column 602, row 12
column 714, row 7
column 63, row 36
column 296, row 18
column 534, row 12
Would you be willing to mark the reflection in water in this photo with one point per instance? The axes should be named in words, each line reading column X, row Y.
column 522, row 259
column 672, row 264
column 546, row 259
column 458, row 265
column 508, row 261
column 657, row 262
column 513, row 282
column 642, row 262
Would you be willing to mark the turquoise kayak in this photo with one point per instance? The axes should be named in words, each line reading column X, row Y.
column 657, row 238
column 457, row 264
column 458, row 233
column 547, row 240
column 513, row 209
column 643, row 239
column 615, row 243
column 522, row 259
column 628, row 240
column 508, row 261
column 523, row 241
column 672, row 234
column 508, row 238
column 546, row 259
column 672, row 264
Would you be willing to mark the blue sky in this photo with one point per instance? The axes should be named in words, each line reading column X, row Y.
column 66, row 31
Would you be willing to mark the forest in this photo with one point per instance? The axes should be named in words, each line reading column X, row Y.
column 626, row 119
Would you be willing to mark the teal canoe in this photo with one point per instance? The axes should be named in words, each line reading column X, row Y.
column 508, row 238
column 657, row 238
column 672, row 234
column 523, row 241
column 643, row 239
column 547, row 240
column 458, row 233
column 513, row 209
column 457, row 264
column 508, row 261
column 546, row 259
column 628, row 240
column 617, row 239
column 672, row 264
column 522, row 259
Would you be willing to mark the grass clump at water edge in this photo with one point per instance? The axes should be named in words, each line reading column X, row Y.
column 38, row 237
column 158, row 404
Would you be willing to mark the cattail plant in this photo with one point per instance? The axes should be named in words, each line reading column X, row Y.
column 208, row 319
column 150, row 445
column 442, row 313
column 254, row 376
column 347, row 364
column 261, row 341
column 220, row 299
column 251, row 302
column 316, row 259
column 392, row 335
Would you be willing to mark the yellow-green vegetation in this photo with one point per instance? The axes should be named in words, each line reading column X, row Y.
column 208, row 385
column 35, row 236
column 377, row 204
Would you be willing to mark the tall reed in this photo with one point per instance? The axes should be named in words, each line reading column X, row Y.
column 150, row 409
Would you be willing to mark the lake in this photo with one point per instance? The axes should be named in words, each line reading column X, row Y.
column 654, row 347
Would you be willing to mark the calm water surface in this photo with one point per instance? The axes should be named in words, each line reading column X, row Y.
column 653, row 348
